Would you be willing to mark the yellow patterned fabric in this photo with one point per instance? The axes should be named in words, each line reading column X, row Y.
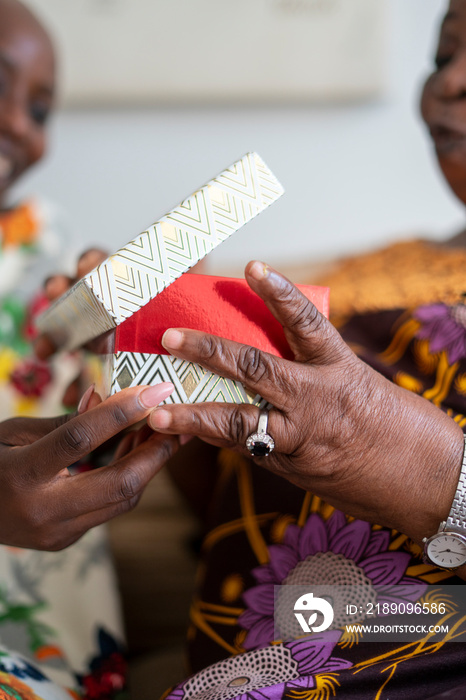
column 400, row 276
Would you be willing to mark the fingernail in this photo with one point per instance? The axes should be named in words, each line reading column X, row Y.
column 85, row 399
column 172, row 339
column 258, row 270
column 153, row 395
column 160, row 419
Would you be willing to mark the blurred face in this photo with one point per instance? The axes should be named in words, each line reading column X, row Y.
column 27, row 78
column 443, row 102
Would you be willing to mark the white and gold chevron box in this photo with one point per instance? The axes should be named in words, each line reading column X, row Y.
column 134, row 275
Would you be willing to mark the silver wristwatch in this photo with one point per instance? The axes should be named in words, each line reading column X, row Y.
column 447, row 548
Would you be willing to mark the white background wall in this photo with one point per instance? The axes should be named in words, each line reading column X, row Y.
column 355, row 175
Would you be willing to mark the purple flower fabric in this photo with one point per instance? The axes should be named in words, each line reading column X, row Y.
column 265, row 674
column 445, row 328
column 330, row 552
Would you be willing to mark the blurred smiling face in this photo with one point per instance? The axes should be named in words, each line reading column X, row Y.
column 443, row 102
column 27, row 82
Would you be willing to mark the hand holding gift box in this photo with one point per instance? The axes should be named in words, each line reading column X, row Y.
column 134, row 295
column 217, row 305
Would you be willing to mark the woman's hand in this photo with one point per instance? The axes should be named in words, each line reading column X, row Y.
column 42, row 506
column 369, row 447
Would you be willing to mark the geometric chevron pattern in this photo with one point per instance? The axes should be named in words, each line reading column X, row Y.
column 139, row 271
column 192, row 383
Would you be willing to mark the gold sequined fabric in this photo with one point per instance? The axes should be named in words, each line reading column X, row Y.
column 402, row 275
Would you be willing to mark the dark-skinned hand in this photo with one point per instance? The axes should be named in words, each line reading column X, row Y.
column 43, row 506
column 364, row 444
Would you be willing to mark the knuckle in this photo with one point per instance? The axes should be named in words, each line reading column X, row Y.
column 252, row 365
column 239, row 427
column 76, row 440
column 207, row 347
column 118, row 416
column 307, row 319
column 304, row 315
column 130, row 485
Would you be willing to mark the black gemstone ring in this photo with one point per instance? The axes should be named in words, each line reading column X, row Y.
column 260, row 443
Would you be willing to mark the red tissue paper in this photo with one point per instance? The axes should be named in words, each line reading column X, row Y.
column 221, row 306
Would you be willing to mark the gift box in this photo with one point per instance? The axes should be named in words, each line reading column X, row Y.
column 123, row 306
column 219, row 305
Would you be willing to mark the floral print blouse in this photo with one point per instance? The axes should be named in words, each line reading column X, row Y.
column 60, row 625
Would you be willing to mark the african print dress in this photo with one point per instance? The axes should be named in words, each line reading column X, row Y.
column 265, row 532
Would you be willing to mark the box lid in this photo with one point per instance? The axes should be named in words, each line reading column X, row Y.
column 137, row 272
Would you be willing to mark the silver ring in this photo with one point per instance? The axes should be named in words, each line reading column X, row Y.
column 260, row 443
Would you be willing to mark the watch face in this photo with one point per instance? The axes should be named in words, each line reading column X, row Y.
column 447, row 550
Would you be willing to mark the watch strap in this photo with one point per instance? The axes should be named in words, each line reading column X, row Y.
column 456, row 520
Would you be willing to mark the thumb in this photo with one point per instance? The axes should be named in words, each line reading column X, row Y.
column 310, row 335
